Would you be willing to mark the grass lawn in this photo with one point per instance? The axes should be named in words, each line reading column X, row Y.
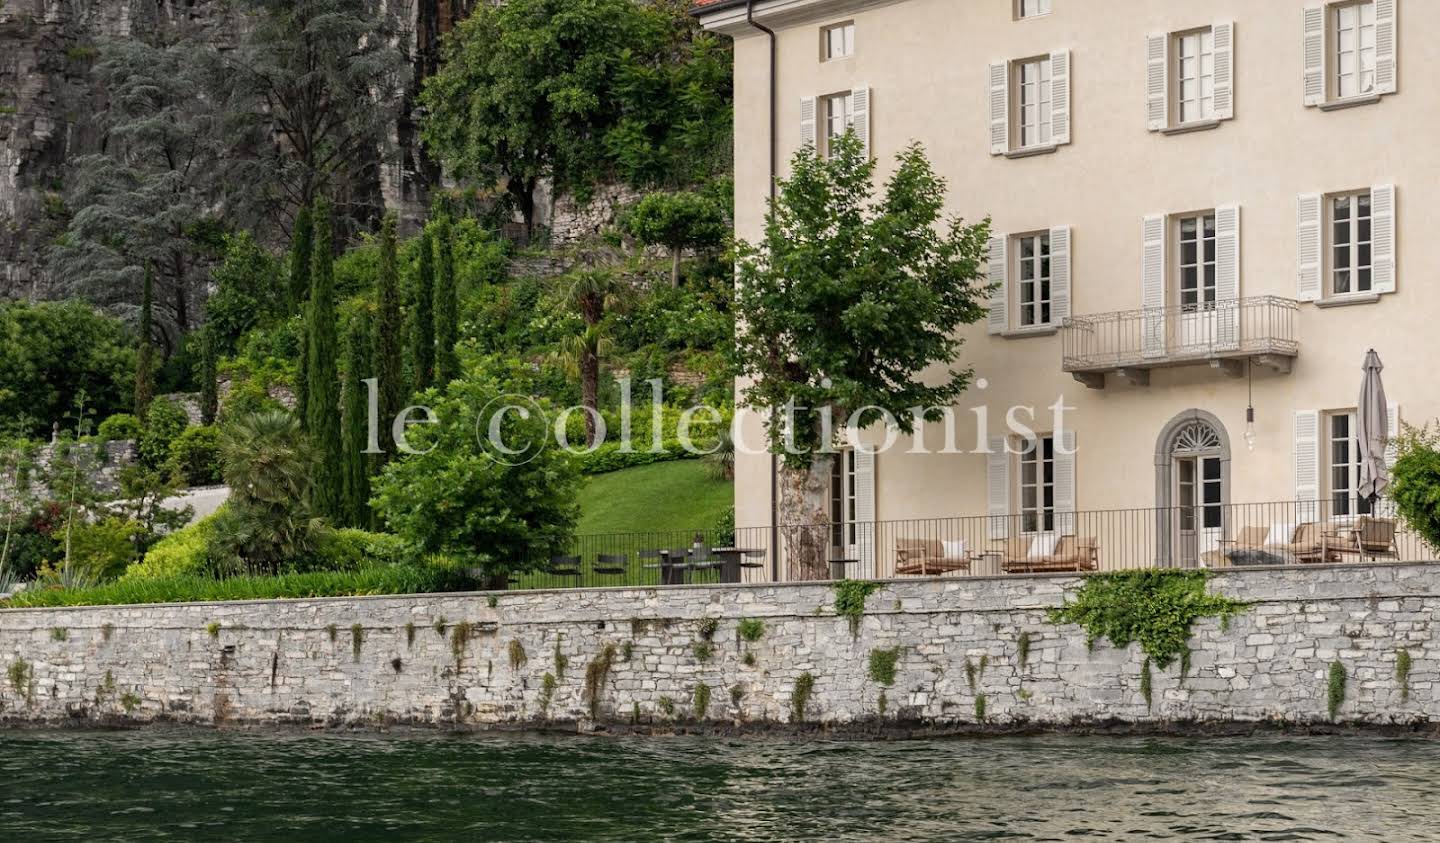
column 677, row 496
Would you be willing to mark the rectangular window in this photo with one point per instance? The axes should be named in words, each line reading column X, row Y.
column 839, row 118
column 1354, row 57
column 842, row 500
column 1037, row 485
column 1196, row 236
column 1195, row 75
column 1031, row 8
column 1350, row 252
column 838, row 41
column 1033, row 269
column 1032, row 100
column 1344, row 454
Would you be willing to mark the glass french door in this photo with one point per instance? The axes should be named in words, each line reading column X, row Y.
column 1199, row 516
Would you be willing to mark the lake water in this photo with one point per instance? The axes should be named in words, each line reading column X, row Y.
column 247, row 786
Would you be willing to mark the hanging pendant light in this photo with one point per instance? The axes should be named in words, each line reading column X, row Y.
column 1250, row 408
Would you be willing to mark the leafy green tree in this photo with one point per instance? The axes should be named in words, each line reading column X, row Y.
column 677, row 221
column 195, row 456
column 322, row 396
column 466, row 500
column 323, row 78
column 145, row 359
column 164, row 422
column 527, row 86
column 388, row 342
column 1415, row 481
column 247, row 291
column 846, row 301
column 422, row 316
column 302, row 243
column 447, row 306
column 269, row 466
column 51, row 352
column 356, row 477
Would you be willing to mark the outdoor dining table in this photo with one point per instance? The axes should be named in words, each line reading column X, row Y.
column 672, row 572
column 733, row 562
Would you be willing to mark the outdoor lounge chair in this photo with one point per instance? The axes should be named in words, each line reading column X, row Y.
column 926, row 557
column 1071, row 554
column 1305, row 542
column 1368, row 538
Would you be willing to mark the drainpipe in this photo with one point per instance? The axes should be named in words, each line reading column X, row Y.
column 774, row 152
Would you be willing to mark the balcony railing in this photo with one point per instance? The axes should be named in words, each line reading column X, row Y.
column 1209, row 536
column 1221, row 334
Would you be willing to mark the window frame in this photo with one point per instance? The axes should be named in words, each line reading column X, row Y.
column 841, row 499
column 1037, row 452
column 1342, row 500
column 1043, row 282
column 1017, row 10
column 1044, row 108
column 1334, row 51
column 1206, row 294
column 1330, row 243
column 826, row 101
column 1175, row 60
column 825, row 54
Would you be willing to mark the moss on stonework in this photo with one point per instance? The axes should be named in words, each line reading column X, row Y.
column 850, row 597
column 106, row 631
column 410, row 634
column 627, row 650
column 1146, row 689
column 547, row 693
column 492, row 601
column 1335, row 688
column 708, row 627
column 882, row 665
column 595, row 675
column 882, row 703
column 357, row 640
column 800, row 696
column 129, row 702
column 213, row 629
column 332, row 631
column 751, row 629
column 1022, row 648
column 702, row 700
column 666, row 706
column 1402, row 673
column 439, row 625
column 562, row 661
column 748, row 659
column 517, row 654
column 737, row 693
column 980, row 708
column 459, row 640
column 59, row 633
column 703, row 651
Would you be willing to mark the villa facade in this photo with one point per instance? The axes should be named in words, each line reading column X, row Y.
column 1198, row 209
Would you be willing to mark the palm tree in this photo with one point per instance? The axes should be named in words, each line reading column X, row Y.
column 590, row 292
column 269, row 465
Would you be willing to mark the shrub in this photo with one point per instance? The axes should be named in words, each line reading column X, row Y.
column 178, row 554
column 350, row 549
column 268, row 464
column 104, row 548
column 119, row 426
column 52, row 351
column 608, row 456
column 165, row 421
column 1415, row 482
column 195, row 456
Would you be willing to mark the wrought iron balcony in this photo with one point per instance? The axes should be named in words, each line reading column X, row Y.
column 1221, row 334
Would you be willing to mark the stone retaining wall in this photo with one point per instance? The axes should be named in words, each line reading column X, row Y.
column 530, row 659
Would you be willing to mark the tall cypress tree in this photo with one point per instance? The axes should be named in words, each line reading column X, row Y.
column 388, row 350
column 447, row 307
column 356, row 479
column 322, row 397
column 209, row 388
column 145, row 361
column 422, row 319
column 302, row 247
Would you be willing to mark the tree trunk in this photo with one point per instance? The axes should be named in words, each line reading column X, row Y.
column 804, row 518
column 675, row 267
column 590, row 393
column 524, row 193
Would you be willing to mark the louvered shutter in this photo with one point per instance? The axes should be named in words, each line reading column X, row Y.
column 997, row 476
column 860, row 112
column 1152, row 286
column 1385, row 64
column 1392, row 435
column 1314, row 53
column 1157, row 81
column 1382, row 237
column 1227, row 276
column 999, row 320
column 999, row 109
column 864, row 514
column 1307, row 465
column 1065, row 483
column 1311, row 257
column 1059, row 274
column 807, row 121
column 1224, row 40
column 1060, row 97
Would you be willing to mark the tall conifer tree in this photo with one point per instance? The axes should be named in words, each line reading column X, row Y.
column 422, row 319
column 356, row 474
column 209, row 387
column 388, row 351
column 302, row 247
column 322, row 398
column 447, row 306
column 145, row 361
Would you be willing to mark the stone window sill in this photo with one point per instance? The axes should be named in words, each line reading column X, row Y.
column 1349, row 102
column 1187, row 128
column 1023, row 333
column 1346, row 301
column 1031, row 151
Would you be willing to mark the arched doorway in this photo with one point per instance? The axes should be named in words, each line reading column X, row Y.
column 1192, row 488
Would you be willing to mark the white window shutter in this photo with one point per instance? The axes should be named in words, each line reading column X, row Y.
column 1152, row 286
column 1311, row 253
column 1385, row 40
column 1307, row 465
column 807, row 121
column 1227, row 276
column 1382, row 236
column 1314, row 52
column 860, row 111
column 1060, row 97
column 1224, row 36
column 999, row 320
column 997, row 477
column 1059, row 274
column 864, row 514
column 999, row 108
column 1065, row 483
column 1157, row 81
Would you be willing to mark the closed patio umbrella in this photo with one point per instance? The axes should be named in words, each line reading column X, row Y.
column 1372, row 426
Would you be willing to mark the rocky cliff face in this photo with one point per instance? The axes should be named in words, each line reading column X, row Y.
column 48, row 100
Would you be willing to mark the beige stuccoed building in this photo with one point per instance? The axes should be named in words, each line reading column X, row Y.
column 1199, row 208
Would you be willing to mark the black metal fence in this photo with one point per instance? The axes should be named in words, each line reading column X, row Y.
column 1204, row 536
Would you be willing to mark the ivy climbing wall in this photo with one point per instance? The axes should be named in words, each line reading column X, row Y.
column 1313, row 645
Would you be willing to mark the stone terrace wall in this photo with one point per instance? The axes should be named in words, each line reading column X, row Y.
column 482, row 660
